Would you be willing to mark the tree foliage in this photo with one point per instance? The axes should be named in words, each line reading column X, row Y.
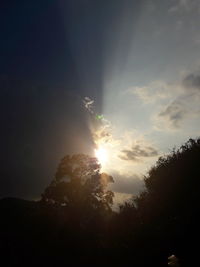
column 78, row 182
column 173, row 184
column 169, row 207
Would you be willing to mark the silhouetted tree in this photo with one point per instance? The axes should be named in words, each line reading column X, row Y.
column 169, row 207
column 173, row 184
column 160, row 224
column 79, row 183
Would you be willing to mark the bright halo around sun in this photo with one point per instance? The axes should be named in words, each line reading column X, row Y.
column 102, row 155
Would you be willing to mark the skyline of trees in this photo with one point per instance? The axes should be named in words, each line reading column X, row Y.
column 74, row 219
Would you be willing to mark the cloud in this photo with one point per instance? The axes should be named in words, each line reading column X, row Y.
column 137, row 152
column 103, row 134
column 172, row 104
column 184, row 5
column 101, row 129
column 151, row 93
column 192, row 81
column 127, row 184
column 89, row 104
column 172, row 116
column 183, row 106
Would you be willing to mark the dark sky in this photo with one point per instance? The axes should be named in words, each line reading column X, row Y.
column 53, row 53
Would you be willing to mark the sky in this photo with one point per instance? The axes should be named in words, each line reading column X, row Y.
column 136, row 63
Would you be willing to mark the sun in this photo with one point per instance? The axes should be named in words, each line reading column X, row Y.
column 102, row 155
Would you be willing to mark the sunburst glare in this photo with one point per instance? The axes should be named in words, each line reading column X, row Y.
column 102, row 155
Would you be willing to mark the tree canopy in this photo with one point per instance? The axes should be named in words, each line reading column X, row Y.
column 169, row 206
column 173, row 184
column 78, row 182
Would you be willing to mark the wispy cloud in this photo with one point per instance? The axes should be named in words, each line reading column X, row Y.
column 171, row 116
column 192, row 81
column 181, row 105
column 184, row 5
column 101, row 128
column 89, row 104
column 138, row 152
column 151, row 93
